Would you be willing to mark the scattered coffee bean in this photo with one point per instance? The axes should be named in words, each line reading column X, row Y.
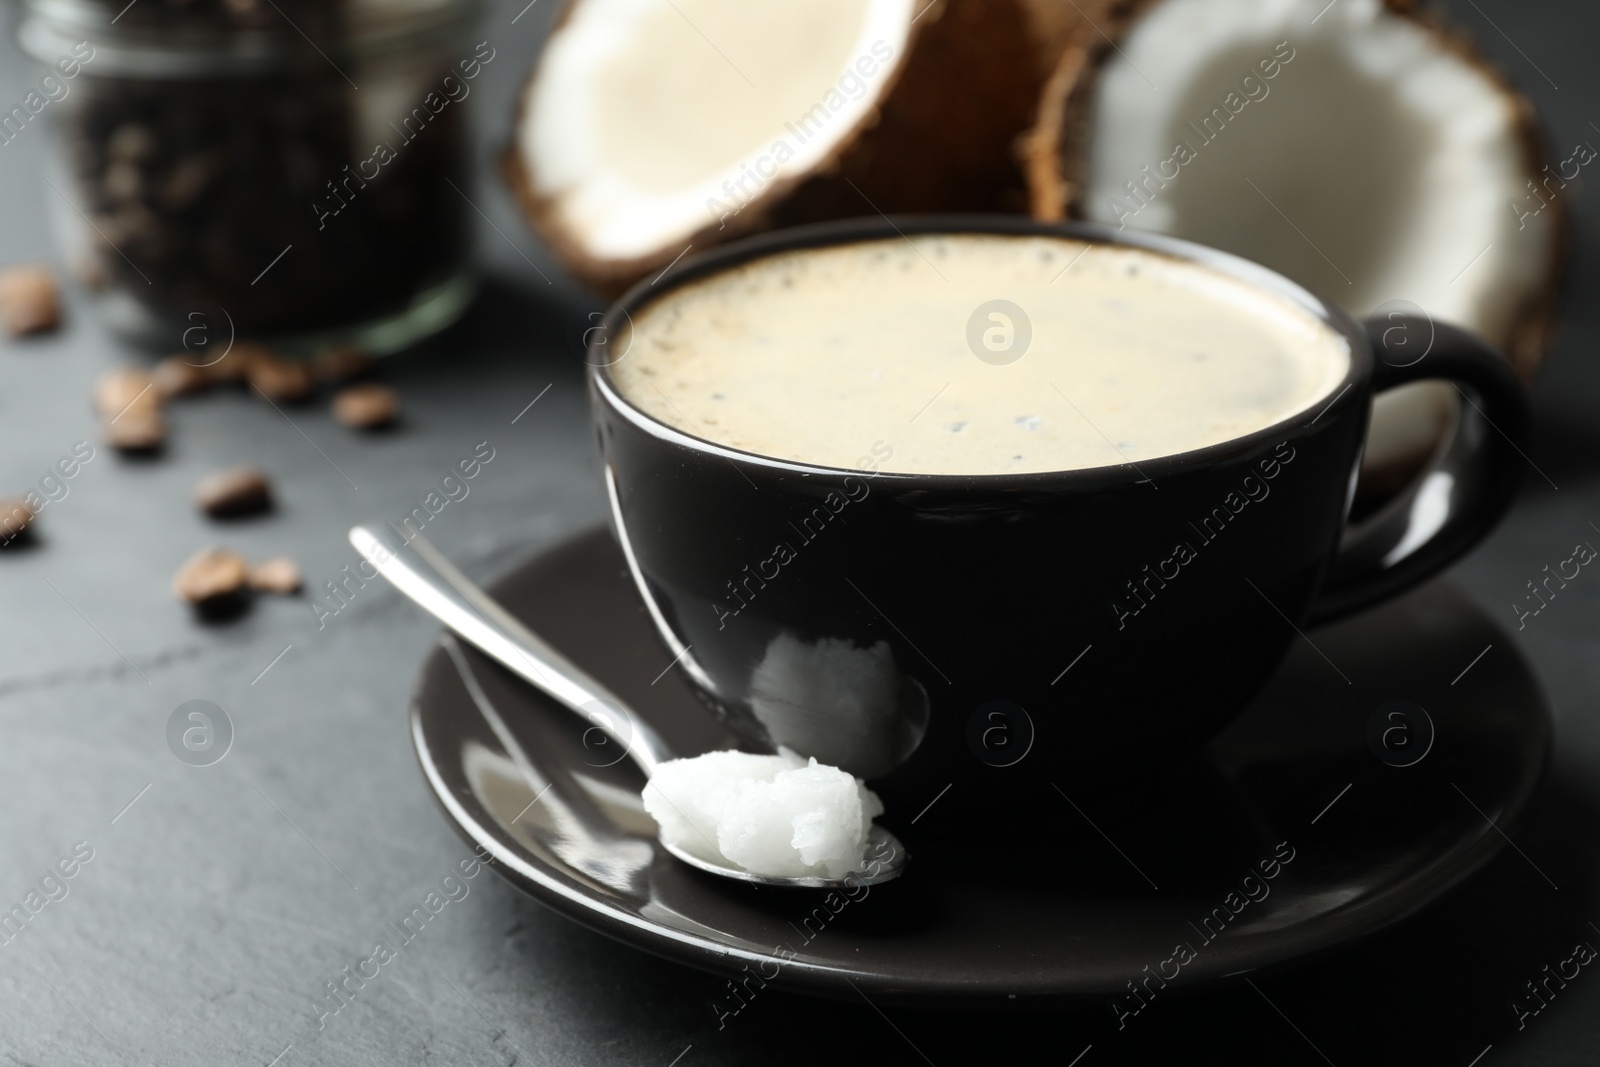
column 232, row 366
column 233, row 492
column 279, row 380
column 226, row 370
column 277, row 575
column 176, row 376
column 15, row 518
column 210, row 577
column 137, row 430
column 342, row 363
column 28, row 302
column 366, row 406
column 249, row 352
column 124, row 391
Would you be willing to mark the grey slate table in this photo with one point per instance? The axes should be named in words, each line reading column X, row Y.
column 220, row 901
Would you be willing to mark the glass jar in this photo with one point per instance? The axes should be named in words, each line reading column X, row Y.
column 297, row 168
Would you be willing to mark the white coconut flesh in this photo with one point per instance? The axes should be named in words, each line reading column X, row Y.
column 648, row 120
column 1377, row 166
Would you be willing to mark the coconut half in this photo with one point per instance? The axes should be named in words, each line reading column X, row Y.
column 1353, row 146
column 652, row 126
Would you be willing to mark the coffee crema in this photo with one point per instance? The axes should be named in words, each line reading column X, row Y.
column 814, row 355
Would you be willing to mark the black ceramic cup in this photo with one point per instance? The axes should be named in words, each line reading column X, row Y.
column 1083, row 626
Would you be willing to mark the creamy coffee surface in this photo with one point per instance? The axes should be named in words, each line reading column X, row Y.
column 818, row 355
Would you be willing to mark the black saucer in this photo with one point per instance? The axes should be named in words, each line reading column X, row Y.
column 1046, row 899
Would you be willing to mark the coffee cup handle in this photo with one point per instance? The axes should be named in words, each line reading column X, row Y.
column 1461, row 494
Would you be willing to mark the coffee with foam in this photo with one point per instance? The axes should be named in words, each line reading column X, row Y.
column 975, row 354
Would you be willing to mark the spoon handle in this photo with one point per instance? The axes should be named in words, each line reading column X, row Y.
column 434, row 583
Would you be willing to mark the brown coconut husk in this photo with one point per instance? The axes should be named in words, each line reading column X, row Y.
column 1056, row 162
column 943, row 137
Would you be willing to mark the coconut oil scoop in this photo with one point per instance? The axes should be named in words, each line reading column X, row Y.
column 777, row 819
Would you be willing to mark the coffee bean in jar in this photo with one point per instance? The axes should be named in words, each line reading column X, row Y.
column 292, row 169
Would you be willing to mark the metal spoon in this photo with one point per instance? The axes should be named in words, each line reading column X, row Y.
column 434, row 583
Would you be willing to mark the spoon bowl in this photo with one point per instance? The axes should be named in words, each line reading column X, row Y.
column 883, row 851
